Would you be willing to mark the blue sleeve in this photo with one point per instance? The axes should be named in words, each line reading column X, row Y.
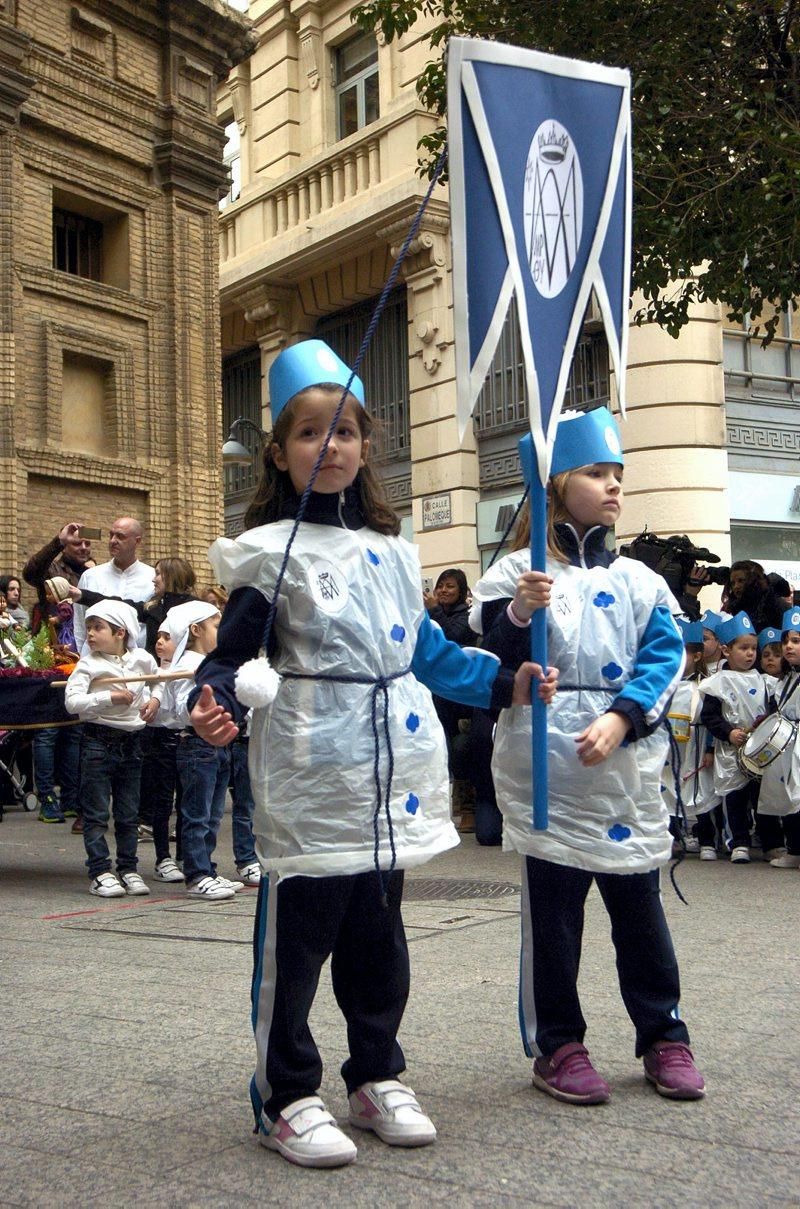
column 656, row 674
column 466, row 675
column 238, row 639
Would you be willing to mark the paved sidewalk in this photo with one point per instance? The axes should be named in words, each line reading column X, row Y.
column 126, row 1051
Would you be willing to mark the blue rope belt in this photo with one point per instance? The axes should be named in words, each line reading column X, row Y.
column 380, row 686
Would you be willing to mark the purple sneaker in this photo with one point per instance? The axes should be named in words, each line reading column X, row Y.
column 669, row 1066
column 568, row 1075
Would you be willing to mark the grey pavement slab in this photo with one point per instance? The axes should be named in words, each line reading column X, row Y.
column 126, row 1048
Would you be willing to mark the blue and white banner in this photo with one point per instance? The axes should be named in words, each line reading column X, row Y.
column 540, row 195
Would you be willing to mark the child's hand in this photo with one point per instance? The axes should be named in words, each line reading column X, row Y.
column 211, row 721
column 601, row 737
column 527, row 672
column 737, row 737
column 533, row 592
column 148, row 712
column 707, row 760
column 121, row 696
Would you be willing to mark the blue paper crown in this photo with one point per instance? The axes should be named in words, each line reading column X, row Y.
column 770, row 634
column 711, row 620
column 300, row 366
column 691, row 631
column 739, row 626
column 791, row 620
column 584, row 438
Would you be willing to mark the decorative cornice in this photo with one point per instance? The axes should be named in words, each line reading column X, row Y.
column 15, row 84
column 83, row 292
column 61, row 464
column 763, row 439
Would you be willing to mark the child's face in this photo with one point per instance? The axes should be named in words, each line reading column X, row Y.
column 771, row 659
column 3, row 603
column 12, row 595
column 165, row 647
column 593, row 495
column 313, row 410
column 711, row 647
column 741, row 654
column 203, row 635
column 102, row 639
column 790, row 645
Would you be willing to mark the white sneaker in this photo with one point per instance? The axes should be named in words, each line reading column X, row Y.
column 211, row 889
column 168, row 871
column 772, row 854
column 707, row 853
column 250, row 874
column 134, row 883
column 305, row 1133
column 740, row 856
column 226, row 881
column 692, row 843
column 106, row 885
column 392, row 1111
column 787, row 861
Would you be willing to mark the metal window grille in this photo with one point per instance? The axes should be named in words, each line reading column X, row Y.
column 503, row 402
column 384, row 370
column 753, row 372
column 241, row 396
column 77, row 245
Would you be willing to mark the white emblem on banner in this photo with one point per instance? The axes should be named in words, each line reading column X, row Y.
column 553, row 204
column 328, row 587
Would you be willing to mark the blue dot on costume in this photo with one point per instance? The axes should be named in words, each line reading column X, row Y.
column 412, row 722
column 397, row 632
column 612, row 671
column 752, row 692
column 373, row 557
column 618, row 833
column 603, row 600
column 412, row 803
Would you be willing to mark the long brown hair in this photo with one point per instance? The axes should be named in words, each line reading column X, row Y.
column 556, row 514
column 275, row 486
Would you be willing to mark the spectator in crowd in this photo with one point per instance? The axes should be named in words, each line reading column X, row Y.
column 11, row 588
column 782, row 588
column 124, row 576
column 65, row 557
column 173, row 584
column 749, row 591
column 215, row 594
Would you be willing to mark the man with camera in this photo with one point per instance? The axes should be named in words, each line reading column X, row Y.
column 681, row 563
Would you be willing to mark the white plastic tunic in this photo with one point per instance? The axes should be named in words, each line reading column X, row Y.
column 696, row 782
column 779, row 793
column 743, row 697
column 350, row 605
column 610, row 818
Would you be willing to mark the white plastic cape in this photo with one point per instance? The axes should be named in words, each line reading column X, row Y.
column 697, row 783
column 610, row 818
column 780, row 784
column 743, row 697
column 350, row 605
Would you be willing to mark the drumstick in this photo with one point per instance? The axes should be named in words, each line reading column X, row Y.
column 689, row 775
column 151, row 678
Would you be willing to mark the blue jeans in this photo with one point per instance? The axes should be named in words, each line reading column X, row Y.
column 111, row 766
column 244, row 845
column 57, row 760
column 203, row 772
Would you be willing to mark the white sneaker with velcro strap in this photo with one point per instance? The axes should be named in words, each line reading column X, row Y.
column 392, row 1111
column 306, row 1134
column 134, row 883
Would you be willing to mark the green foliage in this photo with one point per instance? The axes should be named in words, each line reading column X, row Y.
column 36, row 651
column 716, row 131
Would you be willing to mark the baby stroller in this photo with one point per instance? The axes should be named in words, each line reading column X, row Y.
column 16, row 771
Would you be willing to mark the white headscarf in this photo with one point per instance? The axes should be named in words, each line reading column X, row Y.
column 181, row 617
column 117, row 613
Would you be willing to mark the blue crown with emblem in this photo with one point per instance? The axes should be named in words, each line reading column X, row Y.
column 739, row 626
column 584, row 438
column 691, row 631
column 791, row 620
column 770, row 634
column 710, row 620
column 309, row 363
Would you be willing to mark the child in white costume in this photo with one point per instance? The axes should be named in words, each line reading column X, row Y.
column 347, row 764
column 695, row 773
column 779, row 794
column 611, row 634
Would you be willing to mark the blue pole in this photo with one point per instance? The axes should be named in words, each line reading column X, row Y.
column 538, row 507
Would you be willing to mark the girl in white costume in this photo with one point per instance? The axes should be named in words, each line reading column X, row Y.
column 612, row 636
column 779, row 794
column 347, row 764
column 696, row 759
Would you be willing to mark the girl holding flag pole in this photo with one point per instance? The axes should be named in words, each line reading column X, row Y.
column 611, row 634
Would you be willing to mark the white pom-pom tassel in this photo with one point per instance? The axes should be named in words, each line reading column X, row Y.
column 257, row 683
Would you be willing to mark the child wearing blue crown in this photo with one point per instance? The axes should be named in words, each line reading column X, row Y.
column 611, row 634
column 347, row 762
column 779, row 794
column 695, row 761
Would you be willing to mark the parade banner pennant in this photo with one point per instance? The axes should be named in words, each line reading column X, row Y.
column 540, row 193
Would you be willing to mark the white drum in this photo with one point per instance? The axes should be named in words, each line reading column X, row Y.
column 765, row 743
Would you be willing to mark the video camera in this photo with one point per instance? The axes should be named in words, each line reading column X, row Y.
column 675, row 558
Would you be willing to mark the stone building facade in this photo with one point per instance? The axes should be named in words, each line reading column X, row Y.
column 324, row 124
column 112, row 169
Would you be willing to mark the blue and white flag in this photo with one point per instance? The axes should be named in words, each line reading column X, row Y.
column 540, row 194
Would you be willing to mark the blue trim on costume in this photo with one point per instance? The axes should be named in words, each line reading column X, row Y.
column 658, row 667
column 462, row 674
column 259, row 940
